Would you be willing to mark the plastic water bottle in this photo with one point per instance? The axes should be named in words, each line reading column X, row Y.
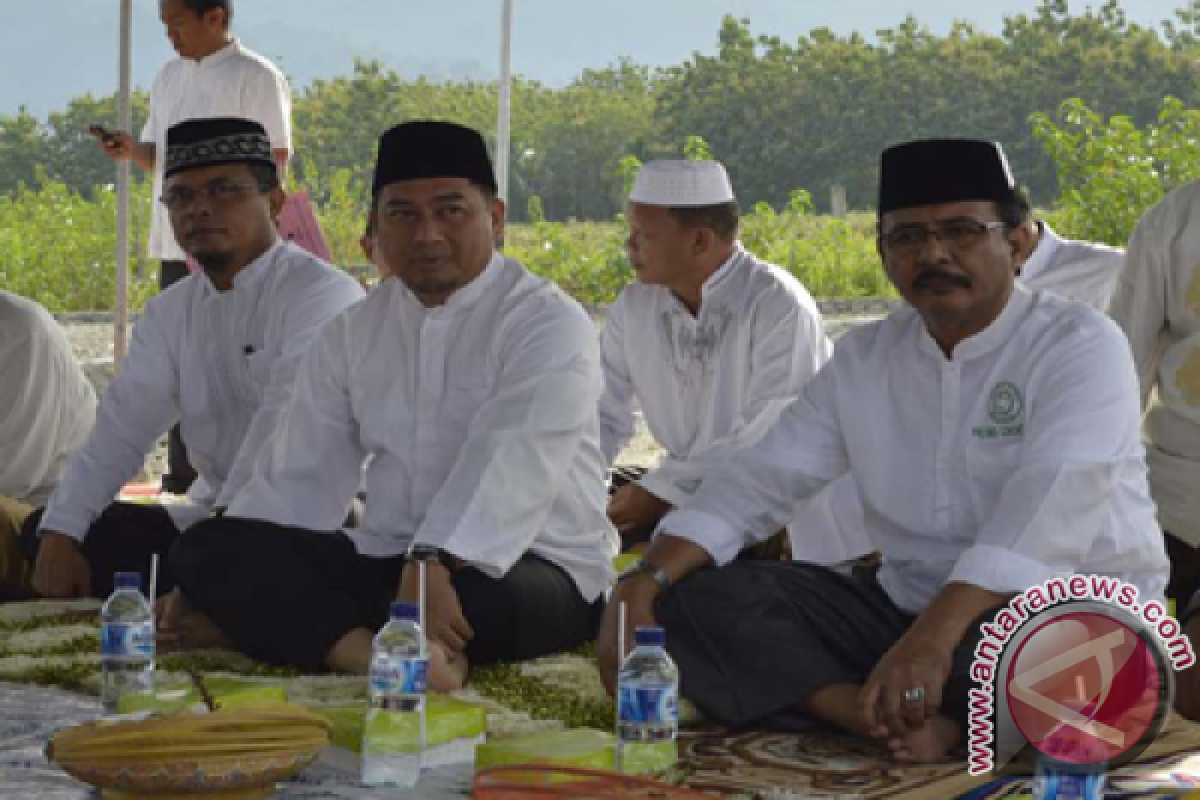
column 126, row 641
column 647, row 705
column 394, row 734
column 1056, row 781
column 1079, row 771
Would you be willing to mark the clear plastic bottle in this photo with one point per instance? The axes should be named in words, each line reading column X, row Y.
column 126, row 641
column 1079, row 772
column 1056, row 781
column 647, row 705
column 394, row 733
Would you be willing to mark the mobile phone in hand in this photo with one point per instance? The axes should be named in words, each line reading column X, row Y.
column 103, row 133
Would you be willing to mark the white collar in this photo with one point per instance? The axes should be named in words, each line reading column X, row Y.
column 221, row 56
column 990, row 338
column 251, row 273
column 1039, row 260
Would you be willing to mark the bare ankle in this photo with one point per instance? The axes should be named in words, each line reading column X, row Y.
column 352, row 653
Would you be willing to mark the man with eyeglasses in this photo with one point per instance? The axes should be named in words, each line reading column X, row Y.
column 993, row 436
column 216, row 352
column 214, row 76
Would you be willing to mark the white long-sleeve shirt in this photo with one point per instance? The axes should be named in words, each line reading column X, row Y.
column 1017, row 460
column 221, row 364
column 711, row 383
column 477, row 422
column 232, row 82
column 48, row 404
column 1083, row 271
column 1157, row 304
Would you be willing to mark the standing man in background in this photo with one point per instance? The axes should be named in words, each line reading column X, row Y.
column 214, row 76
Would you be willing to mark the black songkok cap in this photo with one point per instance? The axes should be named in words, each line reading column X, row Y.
column 935, row 171
column 196, row 143
column 430, row 149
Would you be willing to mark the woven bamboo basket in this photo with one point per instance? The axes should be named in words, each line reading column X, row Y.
column 229, row 754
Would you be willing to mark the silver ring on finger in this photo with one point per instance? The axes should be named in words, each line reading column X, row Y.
column 916, row 694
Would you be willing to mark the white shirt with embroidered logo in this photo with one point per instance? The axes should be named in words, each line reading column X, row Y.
column 48, row 403
column 1018, row 460
column 219, row 363
column 714, row 382
column 1083, row 271
column 1157, row 304
column 232, row 82
column 477, row 422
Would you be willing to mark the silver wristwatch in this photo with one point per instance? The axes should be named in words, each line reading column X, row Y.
column 645, row 567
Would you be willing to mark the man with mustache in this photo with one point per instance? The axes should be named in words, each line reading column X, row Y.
column 993, row 436
column 214, row 76
column 469, row 389
column 710, row 341
column 216, row 352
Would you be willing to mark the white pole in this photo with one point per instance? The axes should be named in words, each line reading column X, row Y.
column 125, row 123
column 504, row 113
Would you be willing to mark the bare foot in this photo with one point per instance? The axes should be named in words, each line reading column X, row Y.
column 447, row 671
column 928, row 744
column 182, row 627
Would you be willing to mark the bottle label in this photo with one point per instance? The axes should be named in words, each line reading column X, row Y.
column 399, row 675
column 1061, row 785
column 648, row 705
column 127, row 640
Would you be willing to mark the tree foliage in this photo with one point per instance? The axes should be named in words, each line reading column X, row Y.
column 782, row 115
column 1112, row 170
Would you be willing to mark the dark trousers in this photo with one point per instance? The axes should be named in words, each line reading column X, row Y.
column 180, row 475
column 287, row 595
column 1185, row 571
column 124, row 539
column 753, row 640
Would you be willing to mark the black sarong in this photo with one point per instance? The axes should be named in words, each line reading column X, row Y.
column 753, row 640
column 287, row 595
column 123, row 539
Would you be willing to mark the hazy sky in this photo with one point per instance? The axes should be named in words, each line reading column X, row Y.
column 552, row 41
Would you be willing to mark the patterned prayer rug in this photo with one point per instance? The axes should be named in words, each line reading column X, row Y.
column 56, row 644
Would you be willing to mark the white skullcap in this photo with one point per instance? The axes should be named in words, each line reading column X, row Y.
column 677, row 184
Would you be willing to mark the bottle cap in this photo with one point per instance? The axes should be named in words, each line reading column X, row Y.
column 649, row 635
column 128, row 580
column 406, row 611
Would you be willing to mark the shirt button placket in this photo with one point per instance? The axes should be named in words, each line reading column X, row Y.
column 430, row 388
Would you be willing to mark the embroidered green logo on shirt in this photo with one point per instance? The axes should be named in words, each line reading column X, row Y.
column 1006, row 407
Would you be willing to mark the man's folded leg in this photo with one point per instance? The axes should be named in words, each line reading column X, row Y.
column 283, row 595
column 123, row 539
column 754, row 640
column 534, row 610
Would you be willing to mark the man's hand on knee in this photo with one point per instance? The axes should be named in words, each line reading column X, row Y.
column 444, row 619
column 638, row 595
column 62, row 571
column 904, row 691
column 632, row 509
